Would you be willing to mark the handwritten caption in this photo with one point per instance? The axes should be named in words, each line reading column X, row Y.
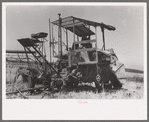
column 82, row 102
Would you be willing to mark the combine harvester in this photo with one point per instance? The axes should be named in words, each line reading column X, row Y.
column 99, row 65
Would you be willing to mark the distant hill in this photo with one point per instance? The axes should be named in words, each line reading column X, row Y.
column 133, row 70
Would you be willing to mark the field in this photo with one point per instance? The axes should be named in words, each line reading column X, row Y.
column 133, row 88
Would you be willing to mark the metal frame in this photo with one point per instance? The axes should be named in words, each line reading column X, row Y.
column 75, row 22
column 79, row 29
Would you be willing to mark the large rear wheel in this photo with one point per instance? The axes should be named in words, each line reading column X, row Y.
column 99, row 82
column 108, row 76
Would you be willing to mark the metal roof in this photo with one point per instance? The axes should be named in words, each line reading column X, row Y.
column 81, row 28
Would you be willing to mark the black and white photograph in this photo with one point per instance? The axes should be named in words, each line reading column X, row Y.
column 74, row 54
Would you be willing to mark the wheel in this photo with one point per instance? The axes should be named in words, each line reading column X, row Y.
column 69, row 84
column 55, row 86
column 107, row 75
column 116, row 83
column 76, row 84
column 102, row 79
column 98, row 83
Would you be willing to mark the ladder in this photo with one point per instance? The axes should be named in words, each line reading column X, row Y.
column 35, row 45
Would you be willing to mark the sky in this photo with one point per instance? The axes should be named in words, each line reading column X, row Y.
column 127, row 40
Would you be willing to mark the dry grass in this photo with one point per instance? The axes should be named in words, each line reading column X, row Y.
column 136, row 79
column 10, row 73
column 133, row 88
column 130, row 90
column 11, row 81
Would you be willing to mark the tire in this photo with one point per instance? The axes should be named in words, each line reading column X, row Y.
column 55, row 87
column 98, row 83
column 107, row 75
column 76, row 84
column 52, row 85
column 116, row 83
column 69, row 85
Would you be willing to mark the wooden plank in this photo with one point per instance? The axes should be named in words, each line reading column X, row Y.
column 85, row 49
column 85, row 41
column 91, row 62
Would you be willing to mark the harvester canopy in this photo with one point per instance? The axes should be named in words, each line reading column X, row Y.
column 80, row 25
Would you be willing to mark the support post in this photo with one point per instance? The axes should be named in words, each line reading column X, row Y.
column 69, row 52
column 74, row 38
column 77, row 38
column 89, row 33
column 43, row 56
column 67, row 38
column 73, row 33
column 50, row 40
column 102, row 29
column 60, row 38
column 96, row 49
